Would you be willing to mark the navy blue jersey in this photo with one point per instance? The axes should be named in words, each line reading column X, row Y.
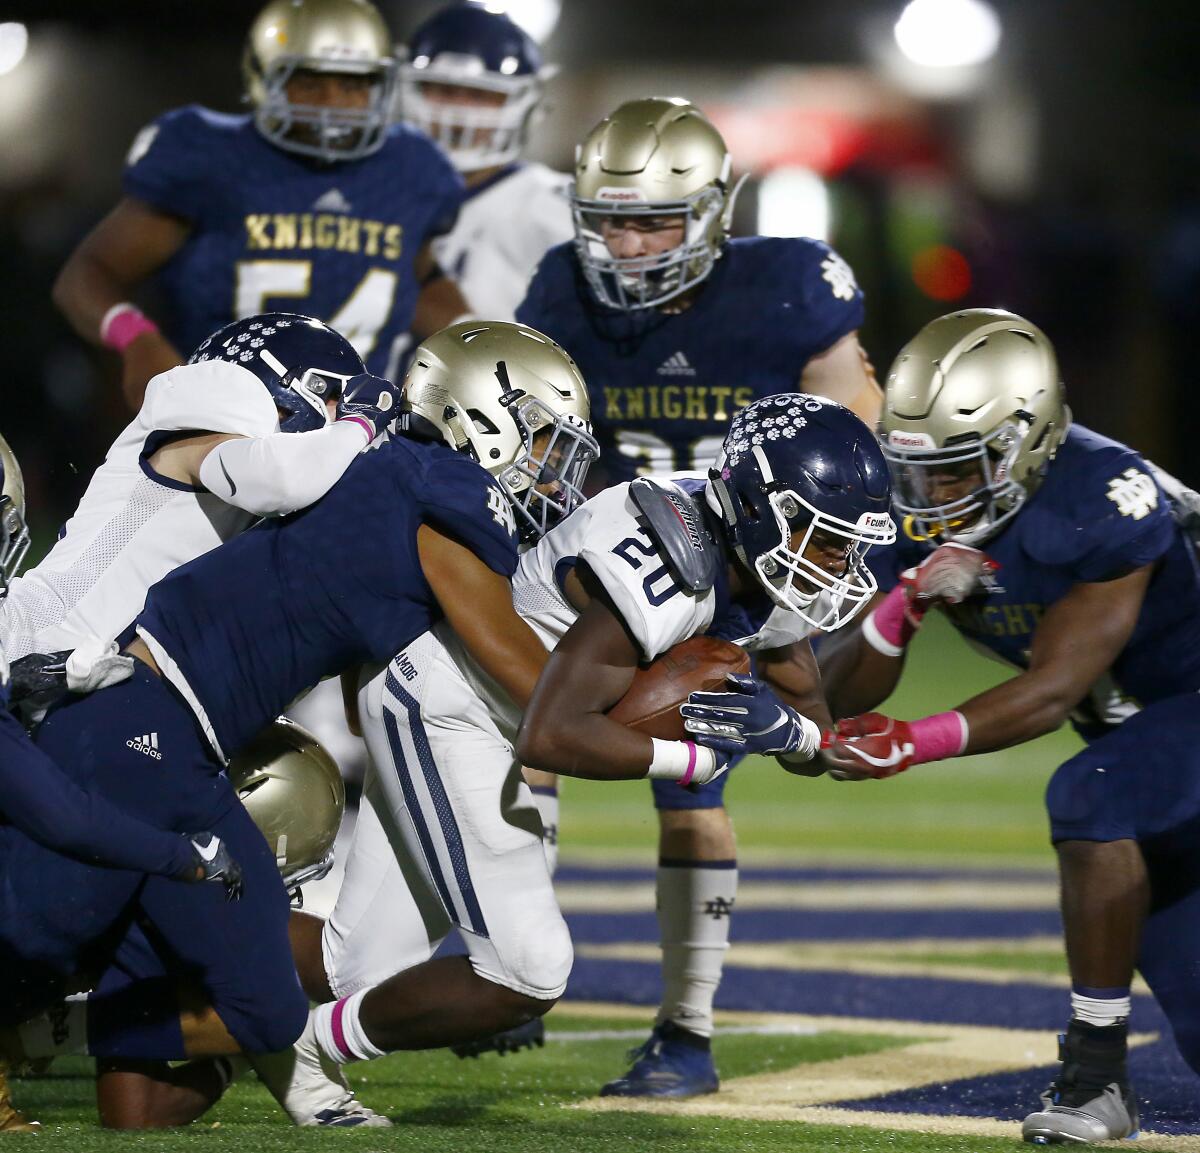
column 260, row 619
column 273, row 230
column 664, row 387
column 1095, row 517
column 40, row 800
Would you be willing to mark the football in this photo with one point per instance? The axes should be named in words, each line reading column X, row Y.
column 651, row 705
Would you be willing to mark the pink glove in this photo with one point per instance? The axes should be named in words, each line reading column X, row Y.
column 877, row 746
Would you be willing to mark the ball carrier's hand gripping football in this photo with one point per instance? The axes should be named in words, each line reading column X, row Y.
column 750, row 718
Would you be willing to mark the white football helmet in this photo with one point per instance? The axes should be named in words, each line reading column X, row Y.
column 476, row 48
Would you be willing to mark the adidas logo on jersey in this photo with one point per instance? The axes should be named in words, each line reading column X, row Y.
column 676, row 365
column 147, row 743
column 332, row 201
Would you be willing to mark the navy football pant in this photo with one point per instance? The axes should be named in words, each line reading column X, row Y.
column 1141, row 781
column 60, row 917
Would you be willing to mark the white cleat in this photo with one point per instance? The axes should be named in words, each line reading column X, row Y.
column 312, row 1089
column 1110, row 1115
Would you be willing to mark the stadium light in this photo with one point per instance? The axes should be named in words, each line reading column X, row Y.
column 14, row 39
column 793, row 201
column 537, row 17
column 948, row 33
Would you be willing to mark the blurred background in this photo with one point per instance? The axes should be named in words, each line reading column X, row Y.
column 1040, row 155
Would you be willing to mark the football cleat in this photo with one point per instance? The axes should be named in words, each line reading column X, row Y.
column 1090, row 1100
column 531, row 1035
column 311, row 1088
column 11, row 1119
column 666, row 1066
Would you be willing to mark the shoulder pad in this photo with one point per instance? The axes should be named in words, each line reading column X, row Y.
column 675, row 522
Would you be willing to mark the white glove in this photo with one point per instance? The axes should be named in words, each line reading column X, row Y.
column 96, row 665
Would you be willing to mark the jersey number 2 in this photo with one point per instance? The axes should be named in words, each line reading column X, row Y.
column 634, row 551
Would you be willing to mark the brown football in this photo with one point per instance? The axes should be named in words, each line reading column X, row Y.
column 651, row 705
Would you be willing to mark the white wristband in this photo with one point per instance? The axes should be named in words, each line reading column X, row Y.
column 682, row 761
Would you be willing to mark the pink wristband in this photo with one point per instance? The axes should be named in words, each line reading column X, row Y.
column 686, row 779
column 362, row 423
column 937, row 737
column 892, row 624
column 122, row 325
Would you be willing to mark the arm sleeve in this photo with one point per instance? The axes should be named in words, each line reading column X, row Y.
column 211, row 396
column 47, row 806
column 278, row 474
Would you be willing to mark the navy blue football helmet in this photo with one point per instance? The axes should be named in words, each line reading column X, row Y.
column 799, row 465
column 302, row 361
column 470, row 46
column 14, row 533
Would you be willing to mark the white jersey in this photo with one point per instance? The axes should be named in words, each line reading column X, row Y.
column 132, row 526
column 606, row 534
column 504, row 229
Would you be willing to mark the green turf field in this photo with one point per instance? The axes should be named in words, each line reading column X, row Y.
column 497, row 1105
column 986, row 810
column 969, row 810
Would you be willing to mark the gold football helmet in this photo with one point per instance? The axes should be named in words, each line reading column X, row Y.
column 516, row 402
column 14, row 533
column 973, row 413
column 346, row 37
column 651, row 159
column 293, row 792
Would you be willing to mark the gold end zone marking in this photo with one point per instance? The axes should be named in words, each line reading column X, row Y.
column 934, row 1054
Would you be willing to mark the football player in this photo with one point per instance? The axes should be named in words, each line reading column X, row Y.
column 474, row 82
column 310, row 199
column 676, row 327
column 412, row 532
column 39, row 802
column 1052, row 547
column 266, row 415
column 292, row 789
column 768, row 551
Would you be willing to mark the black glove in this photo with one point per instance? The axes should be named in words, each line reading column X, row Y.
column 212, row 861
column 38, row 680
column 369, row 398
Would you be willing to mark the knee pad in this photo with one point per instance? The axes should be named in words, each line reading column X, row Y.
column 536, row 964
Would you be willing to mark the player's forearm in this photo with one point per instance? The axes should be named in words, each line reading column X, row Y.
column 1019, row 710
column 586, row 745
column 84, row 292
column 274, row 475
column 48, row 807
column 439, row 303
column 856, row 677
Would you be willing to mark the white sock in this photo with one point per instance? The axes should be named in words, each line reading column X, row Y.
column 340, row 1034
column 1101, row 1011
column 546, row 800
column 58, row 1031
column 695, row 903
